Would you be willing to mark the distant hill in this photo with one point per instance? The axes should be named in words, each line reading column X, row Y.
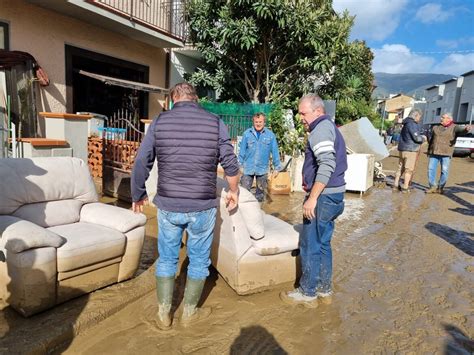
column 410, row 84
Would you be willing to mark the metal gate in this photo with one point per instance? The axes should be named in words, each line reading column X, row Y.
column 121, row 138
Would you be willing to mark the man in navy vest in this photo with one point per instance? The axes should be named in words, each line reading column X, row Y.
column 188, row 143
column 323, row 180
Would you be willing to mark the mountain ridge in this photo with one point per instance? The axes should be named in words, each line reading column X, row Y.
column 410, row 84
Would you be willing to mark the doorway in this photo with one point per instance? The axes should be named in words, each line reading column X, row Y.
column 85, row 94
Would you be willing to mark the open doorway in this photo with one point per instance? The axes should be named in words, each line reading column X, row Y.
column 85, row 94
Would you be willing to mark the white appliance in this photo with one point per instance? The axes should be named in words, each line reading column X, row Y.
column 96, row 124
column 360, row 172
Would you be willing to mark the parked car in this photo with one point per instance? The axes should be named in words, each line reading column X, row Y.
column 464, row 145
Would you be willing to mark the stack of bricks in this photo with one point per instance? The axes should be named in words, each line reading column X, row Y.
column 121, row 153
column 95, row 157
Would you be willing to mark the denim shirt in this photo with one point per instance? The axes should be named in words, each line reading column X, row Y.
column 254, row 153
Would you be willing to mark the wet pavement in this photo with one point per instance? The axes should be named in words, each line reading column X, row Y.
column 403, row 276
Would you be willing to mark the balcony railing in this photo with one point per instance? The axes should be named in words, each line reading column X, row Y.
column 160, row 15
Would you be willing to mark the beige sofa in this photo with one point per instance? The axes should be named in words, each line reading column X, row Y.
column 57, row 240
column 250, row 265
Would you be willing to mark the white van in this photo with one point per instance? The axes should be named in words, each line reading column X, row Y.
column 464, row 145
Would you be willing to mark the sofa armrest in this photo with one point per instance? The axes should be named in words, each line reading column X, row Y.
column 18, row 235
column 112, row 217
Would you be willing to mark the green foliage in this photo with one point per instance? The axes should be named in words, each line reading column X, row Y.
column 347, row 111
column 276, row 50
column 290, row 142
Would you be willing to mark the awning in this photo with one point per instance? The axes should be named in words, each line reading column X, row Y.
column 125, row 83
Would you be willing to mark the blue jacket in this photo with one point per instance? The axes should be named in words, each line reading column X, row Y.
column 254, row 153
column 410, row 137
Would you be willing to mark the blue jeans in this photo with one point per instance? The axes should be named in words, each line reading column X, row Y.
column 433, row 167
column 315, row 245
column 200, row 228
column 247, row 182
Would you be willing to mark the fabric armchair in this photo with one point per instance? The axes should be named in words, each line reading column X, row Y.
column 57, row 241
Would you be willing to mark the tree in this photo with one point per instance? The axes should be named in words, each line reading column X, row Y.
column 276, row 50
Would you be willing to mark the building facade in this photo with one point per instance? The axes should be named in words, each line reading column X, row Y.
column 433, row 97
column 124, row 39
column 466, row 100
column 455, row 96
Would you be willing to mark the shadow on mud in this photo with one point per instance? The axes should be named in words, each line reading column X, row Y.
column 457, row 341
column 255, row 340
column 464, row 241
column 468, row 207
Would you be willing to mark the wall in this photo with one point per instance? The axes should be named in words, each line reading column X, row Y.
column 452, row 92
column 181, row 64
column 398, row 103
column 44, row 33
column 432, row 104
column 467, row 97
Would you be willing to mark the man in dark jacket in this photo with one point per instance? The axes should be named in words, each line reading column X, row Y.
column 188, row 143
column 408, row 147
column 324, row 167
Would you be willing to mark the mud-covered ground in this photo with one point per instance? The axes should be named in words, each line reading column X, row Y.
column 403, row 281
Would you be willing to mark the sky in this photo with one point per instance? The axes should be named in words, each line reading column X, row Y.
column 415, row 36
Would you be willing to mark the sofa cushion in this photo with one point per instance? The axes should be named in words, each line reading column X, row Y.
column 36, row 180
column 279, row 237
column 249, row 209
column 111, row 216
column 87, row 244
column 18, row 235
column 50, row 214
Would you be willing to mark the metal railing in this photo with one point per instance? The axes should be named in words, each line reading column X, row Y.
column 160, row 15
column 7, row 131
column 121, row 138
column 236, row 124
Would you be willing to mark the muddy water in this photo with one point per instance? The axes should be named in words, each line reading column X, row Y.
column 403, row 281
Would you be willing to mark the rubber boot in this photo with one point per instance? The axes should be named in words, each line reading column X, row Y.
column 192, row 295
column 164, row 293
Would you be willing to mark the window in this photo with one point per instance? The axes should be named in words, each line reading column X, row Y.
column 4, row 43
column 438, row 111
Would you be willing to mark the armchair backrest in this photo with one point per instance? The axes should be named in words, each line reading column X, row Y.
column 45, row 191
column 234, row 230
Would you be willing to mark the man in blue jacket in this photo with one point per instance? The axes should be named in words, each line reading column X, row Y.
column 325, row 163
column 188, row 143
column 410, row 142
column 256, row 146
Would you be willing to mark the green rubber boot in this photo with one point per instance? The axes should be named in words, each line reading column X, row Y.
column 164, row 293
column 192, row 295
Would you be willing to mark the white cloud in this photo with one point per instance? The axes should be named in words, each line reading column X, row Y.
column 432, row 13
column 455, row 43
column 397, row 59
column 447, row 43
column 375, row 19
column 455, row 64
